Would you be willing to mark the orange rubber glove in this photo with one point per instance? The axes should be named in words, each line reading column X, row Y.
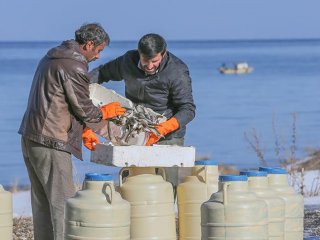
column 111, row 110
column 89, row 139
column 163, row 128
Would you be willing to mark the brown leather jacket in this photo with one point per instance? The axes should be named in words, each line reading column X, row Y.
column 59, row 101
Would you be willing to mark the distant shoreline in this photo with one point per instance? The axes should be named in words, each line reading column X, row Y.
column 16, row 188
column 55, row 42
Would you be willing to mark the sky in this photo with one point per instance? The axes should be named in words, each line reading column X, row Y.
column 41, row 20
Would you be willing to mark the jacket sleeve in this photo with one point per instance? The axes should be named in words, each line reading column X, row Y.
column 182, row 99
column 109, row 71
column 77, row 93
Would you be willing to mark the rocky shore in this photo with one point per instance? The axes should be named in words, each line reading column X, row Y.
column 22, row 227
column 312, row 221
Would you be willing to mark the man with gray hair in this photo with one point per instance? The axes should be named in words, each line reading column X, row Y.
column 54, row 122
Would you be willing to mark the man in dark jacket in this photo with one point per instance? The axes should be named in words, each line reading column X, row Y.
column 54, row 121
column 157, row 79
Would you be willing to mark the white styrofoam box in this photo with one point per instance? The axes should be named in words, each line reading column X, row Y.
column 144, row 156
column 101, row 96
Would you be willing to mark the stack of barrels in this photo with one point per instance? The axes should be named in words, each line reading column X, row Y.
column 145, row 209
column 253, row 205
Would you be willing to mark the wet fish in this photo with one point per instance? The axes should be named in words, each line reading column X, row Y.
column 137, row 122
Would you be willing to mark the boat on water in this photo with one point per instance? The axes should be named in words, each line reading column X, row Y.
column 239, row 68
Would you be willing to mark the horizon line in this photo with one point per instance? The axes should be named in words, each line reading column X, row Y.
column 180, row 40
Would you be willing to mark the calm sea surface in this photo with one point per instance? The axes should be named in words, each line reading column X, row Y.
column 285, row 82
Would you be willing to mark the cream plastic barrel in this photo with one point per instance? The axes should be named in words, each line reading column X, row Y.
column 294, row 206
column 133, row 171
column 258, row 183
column 6, row 223
column 195, row 190
column 234, row 212
column 97, row 212
column 207, row 172
column 152, row 206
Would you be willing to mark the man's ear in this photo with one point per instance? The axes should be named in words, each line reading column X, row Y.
column 88, row 45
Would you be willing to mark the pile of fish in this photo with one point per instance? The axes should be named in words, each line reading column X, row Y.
column 134, row 127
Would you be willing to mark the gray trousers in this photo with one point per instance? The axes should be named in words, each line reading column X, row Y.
column 50, row 173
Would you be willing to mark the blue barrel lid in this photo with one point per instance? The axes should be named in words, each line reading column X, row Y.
column 271, row 170
column 254, row 173
column 205, row 162
column 226, row 178
column 98, row 177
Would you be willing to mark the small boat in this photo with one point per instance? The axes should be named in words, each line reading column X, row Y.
column 239, row 68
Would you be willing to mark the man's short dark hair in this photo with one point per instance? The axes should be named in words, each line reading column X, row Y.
column 151, row 44
column 92, row 32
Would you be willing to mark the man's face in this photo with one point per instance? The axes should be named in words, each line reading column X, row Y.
column 150, row 66
column 91, row 52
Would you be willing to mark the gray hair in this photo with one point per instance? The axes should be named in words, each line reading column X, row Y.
column 92, row 32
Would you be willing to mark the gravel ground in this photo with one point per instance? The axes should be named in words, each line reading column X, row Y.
column 312, row 221
column 22, row 227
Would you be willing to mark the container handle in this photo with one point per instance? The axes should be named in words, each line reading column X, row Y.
column 120, row 174
column 225, row 194
column 108, row 196
column 197, row 174
column 162, row 173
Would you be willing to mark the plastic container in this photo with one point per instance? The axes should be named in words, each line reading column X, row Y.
column 258, row 183
column 6, row 223
column 195, row 190
column 152, row 206
column 207, row 172
column 133, row 171
column 234, row 212
column 294, row 206
column 97, row 211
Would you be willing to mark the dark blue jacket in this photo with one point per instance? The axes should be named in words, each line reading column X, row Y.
column 167, row 92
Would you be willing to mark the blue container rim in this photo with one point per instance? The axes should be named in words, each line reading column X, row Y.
column 205, row 162
column 254, row 173
column 271, row 170
column 226, row 178
column 98, row 177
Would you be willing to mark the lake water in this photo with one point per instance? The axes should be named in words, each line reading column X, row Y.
column 284, row 83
